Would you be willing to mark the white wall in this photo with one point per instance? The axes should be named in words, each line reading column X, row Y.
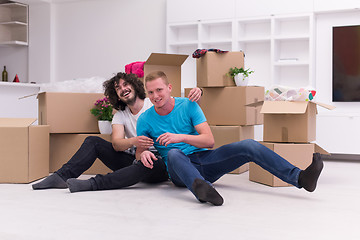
column 337, row 130
column 39, row 42
column 98, row 38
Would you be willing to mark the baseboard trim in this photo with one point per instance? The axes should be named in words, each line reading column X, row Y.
column 341, row 157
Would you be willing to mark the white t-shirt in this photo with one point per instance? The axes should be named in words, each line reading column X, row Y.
column 129, row 120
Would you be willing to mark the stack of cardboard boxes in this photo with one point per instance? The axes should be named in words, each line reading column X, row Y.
column 68, row 115
column 223, row 103
column 289, row 129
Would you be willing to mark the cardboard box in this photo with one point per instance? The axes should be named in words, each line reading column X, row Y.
column 212, row 68
column 68, row 112
column 226, row 106
column 228, row 134
column 286, row 121
column 170, row 64
column 24, row 150
column 298, row 154
column 64, row 146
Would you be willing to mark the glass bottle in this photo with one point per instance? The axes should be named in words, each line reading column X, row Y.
column 4, row 75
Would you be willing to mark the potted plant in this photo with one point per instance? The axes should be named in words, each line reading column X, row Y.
column 241, row 76
column 104, row 112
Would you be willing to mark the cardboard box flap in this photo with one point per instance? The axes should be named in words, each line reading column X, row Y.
column 166, row 59
column 284, row 107
column 16, row 122
column 329, row 107
column 255, row 104
column 320, row 150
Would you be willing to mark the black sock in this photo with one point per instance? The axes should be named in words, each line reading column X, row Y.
column 76, row 185
column 309, row 177
column 206, row 193
column 52, row 181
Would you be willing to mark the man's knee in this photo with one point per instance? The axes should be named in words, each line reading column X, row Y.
column 92, row 139
column 173, row 155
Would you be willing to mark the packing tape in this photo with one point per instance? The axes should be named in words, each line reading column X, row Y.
column 284, row 134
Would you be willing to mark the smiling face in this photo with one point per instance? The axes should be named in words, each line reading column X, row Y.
column 125, row 92
column 159, row 92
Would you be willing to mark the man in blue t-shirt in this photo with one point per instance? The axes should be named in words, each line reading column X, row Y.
column 181, row 134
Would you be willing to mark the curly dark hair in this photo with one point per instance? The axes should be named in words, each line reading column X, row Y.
column 110, row 92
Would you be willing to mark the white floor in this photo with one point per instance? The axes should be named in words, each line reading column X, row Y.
column 250, row 211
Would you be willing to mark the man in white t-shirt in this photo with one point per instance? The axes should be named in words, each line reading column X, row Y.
column 127, row 95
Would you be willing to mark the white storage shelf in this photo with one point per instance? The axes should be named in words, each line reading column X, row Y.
column 254, row 30
column 278, row 48
column 291, row 26
column 183, row 34
column 13, row 24
column 216, row 31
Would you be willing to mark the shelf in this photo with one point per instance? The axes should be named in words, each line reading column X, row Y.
column 292, row 37
column 219, row 41
column 254, row 29
column 179, row 44
column 180, row 33
column 14, row 43
column 14, row 84
column 254, row 40
column 210, row 31
column 291, row 63
column 13, row 12
column 14, row 23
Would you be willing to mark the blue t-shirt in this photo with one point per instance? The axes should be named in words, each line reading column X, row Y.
column 181, row 120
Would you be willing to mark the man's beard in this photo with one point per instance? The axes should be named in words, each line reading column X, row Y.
column 131, row 101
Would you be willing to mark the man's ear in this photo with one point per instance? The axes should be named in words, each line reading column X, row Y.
column 170, row 87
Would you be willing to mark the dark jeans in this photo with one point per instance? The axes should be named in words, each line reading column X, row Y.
column 126, row 171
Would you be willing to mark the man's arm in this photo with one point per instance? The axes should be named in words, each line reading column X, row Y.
column 205, row 139
column 120, row 143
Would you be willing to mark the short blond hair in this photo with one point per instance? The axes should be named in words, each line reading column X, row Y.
column 155, row 75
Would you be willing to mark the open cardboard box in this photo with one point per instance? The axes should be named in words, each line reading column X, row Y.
column 287, row 121
column 298, row 154
column 170, row 64
column 228, row 134
column 24, row 150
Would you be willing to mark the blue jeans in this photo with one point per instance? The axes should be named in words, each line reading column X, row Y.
column 210, row 165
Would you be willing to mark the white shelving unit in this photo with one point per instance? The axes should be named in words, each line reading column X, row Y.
column 13, row 24
column 292, row 56
column 278, row 48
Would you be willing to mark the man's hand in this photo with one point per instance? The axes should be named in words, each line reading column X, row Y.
column 147, row 158
column 167, row 138
column 195, row 94
column 143, row 142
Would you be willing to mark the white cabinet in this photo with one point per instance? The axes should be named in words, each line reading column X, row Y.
column 335, row 5
column 13, row 24
column 246, row 8
column 278, row 48
column 190, row 10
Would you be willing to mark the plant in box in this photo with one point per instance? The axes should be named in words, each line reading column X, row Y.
column 104, row 112
column 241, row 76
